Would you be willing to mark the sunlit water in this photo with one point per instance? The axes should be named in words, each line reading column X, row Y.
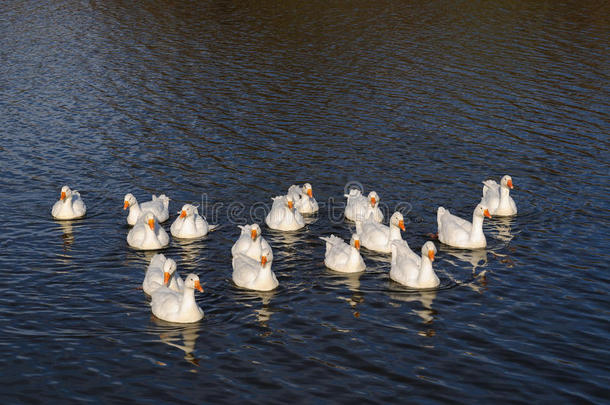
column 226, row 105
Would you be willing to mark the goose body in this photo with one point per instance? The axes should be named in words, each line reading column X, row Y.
column 254, row 274
column 190, row 224
column 378, row 237
column 251, row 243
column 69, row 206
column 457, row 232
column 342, row 257
column 179, row 307
column 411, row 270
column 496, row 197
column 159, row 206
column 147, row 234
column 162, row 271
column 361, row 208
column 283, row 215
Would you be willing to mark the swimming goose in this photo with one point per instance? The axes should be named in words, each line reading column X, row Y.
column 283, row 215
column 303, row 197
column 251, row 243
column 378, row 237
column 360, row 208
column 147, row 234
column 497, row 197
column 162, row 271
column 411, row 270
column 254, row 274
column 342, row 257
column 190, row 224
column 180, row 307
column 158, row 206
column 69, row 206
column 457, row 232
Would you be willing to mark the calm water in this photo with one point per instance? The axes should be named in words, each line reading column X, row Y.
column 228, row 104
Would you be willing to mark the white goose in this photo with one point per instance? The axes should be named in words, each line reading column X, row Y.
column 251, row 243
column 303, row 197
column 158, row 206
column 497, row 197
column 180, row 307
column 378, row 237
column 190, row 224
column 252, row 274
column 162, row 271
column 147, row 234
column 283, row 215
column 360, row 208
column 69, row 206
column 457, row 232
column 411, row 270
column 343, row 257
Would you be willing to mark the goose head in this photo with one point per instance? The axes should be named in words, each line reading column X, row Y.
column 192, row 281
column 373, row 199
column 65, row 193
column 149, row 219
column 255, row 231
column 308, row 190
column 169, row 268
column 482, row 211
column 397, row 220
column 355, row 241
column 290, row 202
column 128, row 201
column 265, row 253
column 188, row 210
column 506, row 181
column 428, row 250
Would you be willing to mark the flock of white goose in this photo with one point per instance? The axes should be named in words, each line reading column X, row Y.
column 173, row 299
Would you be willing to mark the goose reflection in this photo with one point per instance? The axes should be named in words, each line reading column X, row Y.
column 67, row 235
column 191, row 249
column 352, row 282
column 502, row 228
column 182, row 337
column 250, row 298
column 426, row 298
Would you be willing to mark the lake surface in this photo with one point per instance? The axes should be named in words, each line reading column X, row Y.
column 226, row 104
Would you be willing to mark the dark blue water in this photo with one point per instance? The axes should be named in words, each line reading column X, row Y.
column 226, row 105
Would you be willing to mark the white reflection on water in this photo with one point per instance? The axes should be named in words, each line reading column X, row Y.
column 67, row 235
column 426, row 298
column 182, row 337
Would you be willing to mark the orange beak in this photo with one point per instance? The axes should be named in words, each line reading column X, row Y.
column 310, row 193
column 431, row 255
column 509, row 183
column 198, row 286
column 263, row 260
column 63, row 195
column 357, row 244
column 253, row 234
column 151, row 223
column 126, row 205
column 373, row 201
column 401, row 224
column 183, row 214
column 486, row 213
column 290, row 204
column 166, row 277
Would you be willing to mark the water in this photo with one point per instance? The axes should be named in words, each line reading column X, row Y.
column 226, row 105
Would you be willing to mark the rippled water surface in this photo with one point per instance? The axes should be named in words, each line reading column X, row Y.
column 227, row 104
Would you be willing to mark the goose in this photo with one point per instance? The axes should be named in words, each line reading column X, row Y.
column 303, row 197
column 69, row 206
column 343, row 257
column 411, row 270
column 180, row 307
column 497, row 197
column 162, row 271
column 147, row 234
column 360, row 208
column 190, row 224
column 283, row 215
column 378, row 237
column 457, row 232
column 251, row 243
column 158, row 206
column 253, row 274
